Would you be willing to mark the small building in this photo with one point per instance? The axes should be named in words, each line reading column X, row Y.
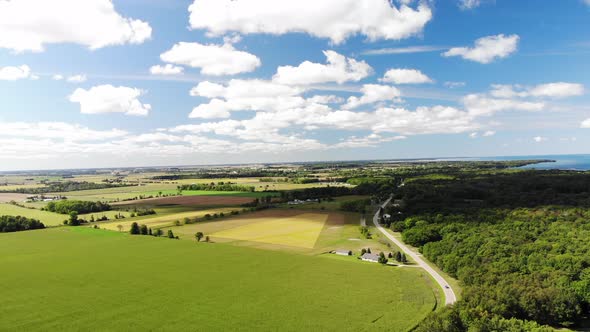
column 370, row 258
column 342, row 252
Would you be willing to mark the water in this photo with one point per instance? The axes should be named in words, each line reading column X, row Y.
column 578, row 162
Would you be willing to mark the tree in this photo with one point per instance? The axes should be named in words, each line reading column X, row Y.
column 382, row 258
column 404, row 259
column 120, row 227
column 158, row 233
column 170, row 234
column 143, row 230
column 74, row 221
column 207, row 238
column 134, row 229
column 199, row 236
column 398, row 256
column 390, row 255
column 363, row 251
column 150, row 231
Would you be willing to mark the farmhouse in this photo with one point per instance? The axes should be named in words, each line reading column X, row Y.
column 370, row 258
column 342, row 252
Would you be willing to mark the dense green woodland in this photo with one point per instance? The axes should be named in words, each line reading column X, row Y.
column 220, row 186
column 519, row 242
column 16, row 224
column 79, row 207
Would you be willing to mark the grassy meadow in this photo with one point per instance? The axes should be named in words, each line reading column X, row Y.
column 88, row 279
column 46, row 217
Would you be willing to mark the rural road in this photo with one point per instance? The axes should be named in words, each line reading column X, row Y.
column 450, row 297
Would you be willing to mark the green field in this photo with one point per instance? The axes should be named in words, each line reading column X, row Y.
column 87, row 279
column 47, row 218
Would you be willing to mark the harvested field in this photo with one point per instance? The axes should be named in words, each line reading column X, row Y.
column 7, row 197
column 191, row 201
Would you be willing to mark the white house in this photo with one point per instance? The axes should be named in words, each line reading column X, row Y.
column 370, row 258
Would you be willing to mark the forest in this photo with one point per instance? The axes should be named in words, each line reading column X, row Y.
column 79, row 207
column 18, row 223
column 517, row 242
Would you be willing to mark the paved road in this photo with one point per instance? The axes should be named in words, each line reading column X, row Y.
column 450, row 297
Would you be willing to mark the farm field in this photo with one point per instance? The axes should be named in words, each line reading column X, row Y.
column 46, row 217
column 163, row 284
column 296, row 230
column 7, row 197
column 333, row 205
column 194, row 201
column 158, row 220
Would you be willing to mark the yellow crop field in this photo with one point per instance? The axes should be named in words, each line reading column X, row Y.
column 301, row 230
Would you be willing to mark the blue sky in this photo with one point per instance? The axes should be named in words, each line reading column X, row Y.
column 258, row 81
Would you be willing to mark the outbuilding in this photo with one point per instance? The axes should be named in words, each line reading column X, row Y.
column 342, row 252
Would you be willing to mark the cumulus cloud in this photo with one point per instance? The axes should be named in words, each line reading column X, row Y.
column 373, row 93
column 57, row 77
column 487, row 49
column 333, row 19
column 216, row 60
column 585, row 123
column 28, row 25
column 549, row 90
column 168, row 69
column 11, row 73
column 109, row 99
column 405, row 76
column 338, row 69
column 483, row 105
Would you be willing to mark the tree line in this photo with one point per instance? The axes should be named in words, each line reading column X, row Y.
column 18, row 223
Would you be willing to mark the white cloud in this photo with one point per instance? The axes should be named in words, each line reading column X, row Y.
column 216, row 60
column 11, row 73
column 473, row 134
column 482, row 105
column 57, row 77
column 77, row 78
column 373, row 93
column 248, row 95
column 168, row 69
column 56, row 130
column 585, row 123
column 539, row 139
column 110, row 99
column 333, row 19
column 487, row 49
column 557, row 90
column 550, row 90
column 454, row 85
column 338, row 69
column 469, row 4
column 405, row 76
column 28, row 25
column 404, row 50
column 489, row 133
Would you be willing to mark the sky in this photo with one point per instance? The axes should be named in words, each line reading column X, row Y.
column 129, row 83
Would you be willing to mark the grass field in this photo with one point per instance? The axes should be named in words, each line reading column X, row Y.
column 47, row 218
column 328, row 230
column 86, row 279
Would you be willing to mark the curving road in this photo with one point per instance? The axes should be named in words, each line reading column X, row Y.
column 450, row 297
